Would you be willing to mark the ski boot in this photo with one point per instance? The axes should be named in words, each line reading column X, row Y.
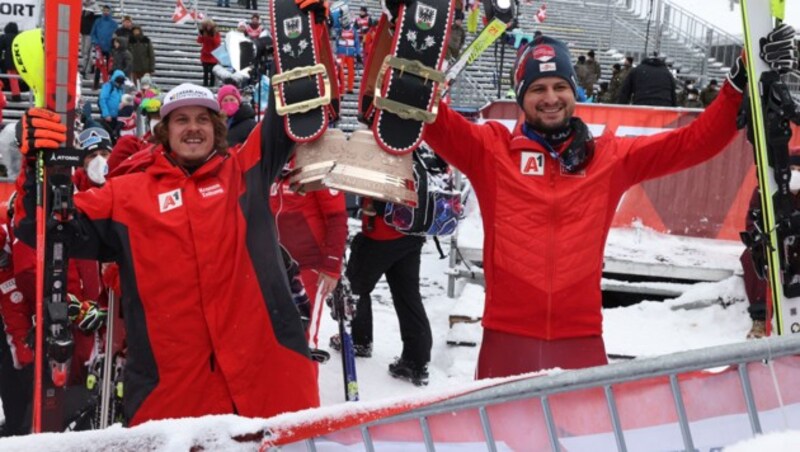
column 405, row 370
column 362, row 351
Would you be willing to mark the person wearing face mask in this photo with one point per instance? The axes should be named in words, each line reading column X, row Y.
column 756, row 287
column 96, row 145
column 240, row 116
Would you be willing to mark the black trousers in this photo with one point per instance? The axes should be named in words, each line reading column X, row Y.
column 399, row 260
column 249, row 3
column 208, row 74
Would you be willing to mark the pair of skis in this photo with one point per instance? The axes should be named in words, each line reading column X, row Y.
column 771, row 111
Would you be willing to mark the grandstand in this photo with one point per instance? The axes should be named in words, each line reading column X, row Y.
column 614, row 28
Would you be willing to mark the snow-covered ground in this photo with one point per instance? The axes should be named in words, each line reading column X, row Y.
column 645, row 329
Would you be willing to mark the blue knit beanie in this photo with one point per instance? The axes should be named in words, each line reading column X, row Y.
column 544, row 57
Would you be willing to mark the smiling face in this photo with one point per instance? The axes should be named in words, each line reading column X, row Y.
column 549, row 103
column 191, row 135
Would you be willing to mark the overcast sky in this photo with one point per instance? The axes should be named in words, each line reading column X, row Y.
column 718, row 12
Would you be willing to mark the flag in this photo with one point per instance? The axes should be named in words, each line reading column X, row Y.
column 182, row 15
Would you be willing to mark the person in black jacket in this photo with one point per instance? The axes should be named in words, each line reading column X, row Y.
column 6, row 58
column 240, row 116
column 650, row 83
column 88, row 16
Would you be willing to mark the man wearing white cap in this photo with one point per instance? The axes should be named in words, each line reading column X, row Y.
column 211, row 325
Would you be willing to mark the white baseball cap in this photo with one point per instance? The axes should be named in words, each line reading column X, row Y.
column 188, row 95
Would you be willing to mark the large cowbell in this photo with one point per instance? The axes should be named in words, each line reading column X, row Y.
column 356, row 166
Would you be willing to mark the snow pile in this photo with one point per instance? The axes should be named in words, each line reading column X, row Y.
column 774, row 442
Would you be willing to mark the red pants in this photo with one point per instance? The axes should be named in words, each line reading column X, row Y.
column 349, row 63
column 505, row 354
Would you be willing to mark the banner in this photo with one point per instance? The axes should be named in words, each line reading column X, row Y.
column 183, row 15
column 715, row 408
column 25, row 13
column 709, row 200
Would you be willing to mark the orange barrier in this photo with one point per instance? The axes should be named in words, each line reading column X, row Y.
column 709, row 200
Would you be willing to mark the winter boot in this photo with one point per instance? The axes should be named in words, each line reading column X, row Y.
column 406, row 370
column 362, row 351
column 758, row 330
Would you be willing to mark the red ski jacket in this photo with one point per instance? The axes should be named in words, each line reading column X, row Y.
column 312, row 227
column 211, row 326
column 209, row 44
column 545, row 231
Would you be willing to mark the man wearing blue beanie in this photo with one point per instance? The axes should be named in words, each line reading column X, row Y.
column 548, row 192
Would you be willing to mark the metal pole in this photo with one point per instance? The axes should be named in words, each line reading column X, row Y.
column 647, row 33
column 752, row 411
column 105, row 388
column 680, row 408
column 501, row 70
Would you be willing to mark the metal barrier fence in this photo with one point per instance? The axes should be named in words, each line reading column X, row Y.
column 543, row 389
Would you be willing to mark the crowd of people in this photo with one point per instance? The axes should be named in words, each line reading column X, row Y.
column 237, row 318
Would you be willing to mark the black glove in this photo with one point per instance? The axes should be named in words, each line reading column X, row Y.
column 778, row 49
column 737, row 76
column 342, row 300
column 393, row 6
column 359, row 59
column 86, row 314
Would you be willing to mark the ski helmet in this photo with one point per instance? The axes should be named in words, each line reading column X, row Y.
column 94, row 138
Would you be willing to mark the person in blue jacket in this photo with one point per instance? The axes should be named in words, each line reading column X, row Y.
column 110, row 98
column 102, row 35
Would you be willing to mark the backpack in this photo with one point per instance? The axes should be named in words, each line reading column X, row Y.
column 439, row 207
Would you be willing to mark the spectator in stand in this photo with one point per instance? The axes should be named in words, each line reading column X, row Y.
column 254, row 29
column 209, row 39
column 313, row 229
column 144, row 57
column 251, row 4
column 121, row 57
column 110, row 98
column 102, row 35
column 692, row 98
column 709, row 93
column 188, row 326
column 10, row 32
column 614, row 85
column 381, row 250
column 364, row 23
column 650, row 83
column 594, row 73
column 240, row 117
column 88, row 17
column 583, row 73
column 348, row 49
column 227, row 3
column 457, row 36
column 126, row 28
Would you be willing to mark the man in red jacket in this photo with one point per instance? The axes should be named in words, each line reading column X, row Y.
column 313, row 228
column 548, row 191
column 211, row 326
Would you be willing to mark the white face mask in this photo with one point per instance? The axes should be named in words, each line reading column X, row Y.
column 794, row 182
column 97, row 170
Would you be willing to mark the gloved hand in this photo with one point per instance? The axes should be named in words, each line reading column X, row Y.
column 21, row 353
column 320, row 8
column 342, row 300
column 392, row 7
column 778, row 49
column 359, row 59
column 737, row 76
column 86, row 314
column 41, row 129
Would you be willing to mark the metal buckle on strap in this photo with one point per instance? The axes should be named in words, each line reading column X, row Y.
column 296, row 74
column 415, row 68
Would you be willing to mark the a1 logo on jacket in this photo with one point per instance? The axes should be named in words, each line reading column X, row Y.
column 170, row 200
column 532, row 163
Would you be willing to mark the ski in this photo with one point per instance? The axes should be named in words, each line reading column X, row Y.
column 342, row 305
column 771, row 109
column 52, row 75
column 475, row 49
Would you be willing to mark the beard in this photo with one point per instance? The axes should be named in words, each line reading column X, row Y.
column 547, row 129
